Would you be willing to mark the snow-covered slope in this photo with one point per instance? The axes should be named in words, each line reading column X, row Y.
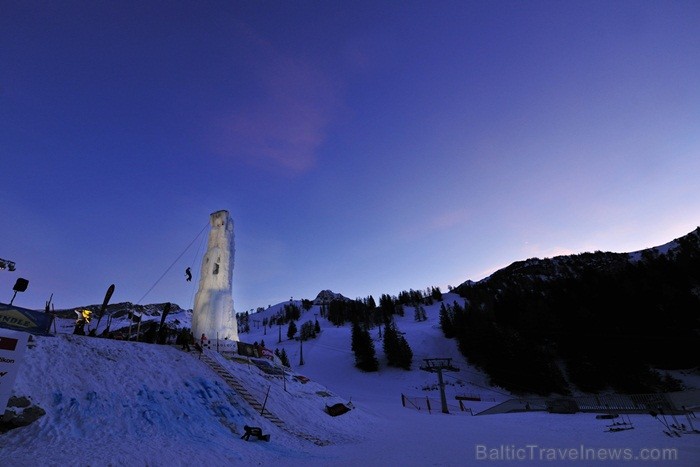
column 126, row 403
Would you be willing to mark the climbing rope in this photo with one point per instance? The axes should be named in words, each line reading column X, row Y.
column 196, row 278
column 173, row 263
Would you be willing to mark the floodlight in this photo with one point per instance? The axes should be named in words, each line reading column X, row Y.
column 20, row 286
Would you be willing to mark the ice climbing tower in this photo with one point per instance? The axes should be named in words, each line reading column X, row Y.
column 213, row 313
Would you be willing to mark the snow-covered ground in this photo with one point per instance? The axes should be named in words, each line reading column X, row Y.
column 113, row 402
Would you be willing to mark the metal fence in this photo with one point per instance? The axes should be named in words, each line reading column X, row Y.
column 431, row 405
column 606, row 403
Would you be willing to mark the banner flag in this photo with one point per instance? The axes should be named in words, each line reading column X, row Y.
column 12, row 347
column 23, row 319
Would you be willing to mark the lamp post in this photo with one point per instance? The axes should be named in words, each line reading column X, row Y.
column 301, row 351
column 20, row 286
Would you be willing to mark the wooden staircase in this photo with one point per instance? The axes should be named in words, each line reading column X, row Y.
column 240, row 389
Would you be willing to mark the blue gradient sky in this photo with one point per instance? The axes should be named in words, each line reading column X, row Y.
column 367, row 147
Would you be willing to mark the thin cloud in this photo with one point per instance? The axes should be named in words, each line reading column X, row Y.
column 447, row 220
column 438, row 223
column 287, row 124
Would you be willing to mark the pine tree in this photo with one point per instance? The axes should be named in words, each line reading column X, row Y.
column 355, row 336
column 371, row 303
column 390, row 343
column 365, row 356
column 317, row 327
column 291, row 330
column 396, row 348
column 284, row 358
column 405, row 354
column 307, row 331
column 419, row 313
column 446, row 321
column 292, row 311
column 387, row 305
column 336, row 312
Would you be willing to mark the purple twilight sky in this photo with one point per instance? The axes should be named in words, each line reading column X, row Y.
column 366, row 147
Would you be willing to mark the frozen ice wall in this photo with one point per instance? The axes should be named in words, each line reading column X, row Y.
column 213, row 306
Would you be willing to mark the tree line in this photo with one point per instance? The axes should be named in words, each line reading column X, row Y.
column 596, row 321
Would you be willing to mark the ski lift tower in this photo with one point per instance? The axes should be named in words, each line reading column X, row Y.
column 437, row 365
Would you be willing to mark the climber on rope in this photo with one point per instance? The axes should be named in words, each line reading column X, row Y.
column 188, row 273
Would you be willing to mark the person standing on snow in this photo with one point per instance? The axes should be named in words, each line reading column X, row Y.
column 186, row 338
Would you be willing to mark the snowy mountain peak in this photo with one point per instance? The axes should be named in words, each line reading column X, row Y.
column 326, row 296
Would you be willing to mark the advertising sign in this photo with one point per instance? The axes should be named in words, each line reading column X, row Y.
column 247, row 349
column 12, row 347
column 225, row 345
column 22, row 319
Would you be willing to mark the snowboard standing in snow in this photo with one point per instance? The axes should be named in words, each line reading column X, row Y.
column 161, row 329
column 105, row 302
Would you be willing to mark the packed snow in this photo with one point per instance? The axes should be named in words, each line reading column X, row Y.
column 111, row 402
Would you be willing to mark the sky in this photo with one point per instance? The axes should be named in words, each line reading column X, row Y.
column 179, row 412
column 366, row 147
